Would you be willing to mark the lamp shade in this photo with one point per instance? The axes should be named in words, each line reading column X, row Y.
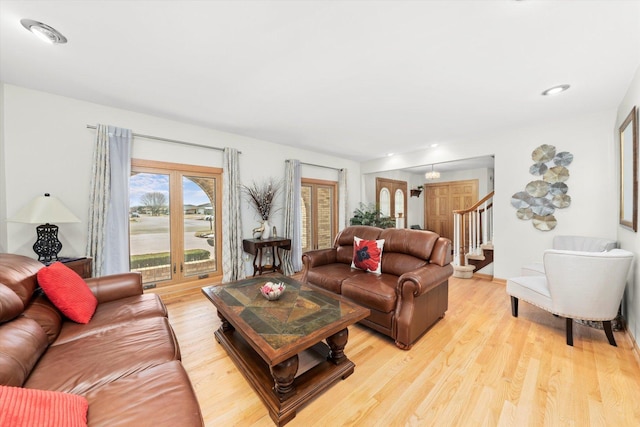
column 42, row 210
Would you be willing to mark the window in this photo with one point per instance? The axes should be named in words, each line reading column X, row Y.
column 319, row 214
column 174, row 224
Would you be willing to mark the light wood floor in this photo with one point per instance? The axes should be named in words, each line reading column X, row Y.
column 478, row 366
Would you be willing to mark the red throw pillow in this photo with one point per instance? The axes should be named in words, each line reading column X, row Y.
column 367, row 255
column 68, row 292
column 23, row 407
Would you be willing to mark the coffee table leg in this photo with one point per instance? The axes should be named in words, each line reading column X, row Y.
column 283, row 374
column 226, row 326
column 336, row 343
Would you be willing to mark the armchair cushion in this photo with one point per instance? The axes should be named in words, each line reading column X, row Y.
column 377, row 292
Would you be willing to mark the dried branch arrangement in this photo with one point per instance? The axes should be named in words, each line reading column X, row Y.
column 261, row 196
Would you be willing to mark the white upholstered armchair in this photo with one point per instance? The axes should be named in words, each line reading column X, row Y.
column 572, row 243
column 576, row 285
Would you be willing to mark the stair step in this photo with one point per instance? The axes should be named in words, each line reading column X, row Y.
column 487, row 246
column 476, row 257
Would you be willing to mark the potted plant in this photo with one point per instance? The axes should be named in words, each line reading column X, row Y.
column 371, row 215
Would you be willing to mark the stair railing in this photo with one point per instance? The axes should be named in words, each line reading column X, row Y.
column 472, row 228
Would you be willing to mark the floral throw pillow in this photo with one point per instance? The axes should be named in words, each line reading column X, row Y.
column 367, row 255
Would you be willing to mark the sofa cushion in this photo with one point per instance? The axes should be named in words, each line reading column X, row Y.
column 10, row 304
column 141, row 399
column 68, row 292
column 92, row 361
column 22, row 342
column 418, row 243
column 372, row 291
column 46, row 314
column 18, row 273
column 330, row 276
column 110, row 314
column 28, row 407
column 367, row 254
column 397, row 264
column 344, row 241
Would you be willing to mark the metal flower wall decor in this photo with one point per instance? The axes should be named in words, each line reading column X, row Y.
column 544, row 195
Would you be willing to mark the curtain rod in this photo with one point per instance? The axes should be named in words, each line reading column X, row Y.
column 175, row 141
column 321, row 166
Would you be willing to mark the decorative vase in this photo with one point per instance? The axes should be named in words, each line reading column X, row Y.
column 266, row 233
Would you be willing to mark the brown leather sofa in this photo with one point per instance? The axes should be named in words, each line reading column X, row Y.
column 408, row 297
column 125, row 361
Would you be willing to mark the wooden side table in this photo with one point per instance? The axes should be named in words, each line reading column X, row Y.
column 256, row 248
column 82, row 265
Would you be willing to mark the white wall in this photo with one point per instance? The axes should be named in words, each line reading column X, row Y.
column 47, row 148
column 591, row 185
column 627, row 238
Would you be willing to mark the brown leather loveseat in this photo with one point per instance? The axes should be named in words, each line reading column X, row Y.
column 409, row 295
column 125, row 361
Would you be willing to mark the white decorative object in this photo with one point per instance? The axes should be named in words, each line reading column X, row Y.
column 266, row 232
column 272, row 291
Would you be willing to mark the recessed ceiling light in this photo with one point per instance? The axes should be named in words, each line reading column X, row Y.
column 389, row 154
column 434, row 145
column 43, row 31
column 555, row 90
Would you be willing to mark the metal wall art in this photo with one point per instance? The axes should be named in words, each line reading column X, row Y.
column 548, row 192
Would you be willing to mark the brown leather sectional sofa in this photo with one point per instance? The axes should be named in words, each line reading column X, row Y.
column 408, row 297
column 125, row 361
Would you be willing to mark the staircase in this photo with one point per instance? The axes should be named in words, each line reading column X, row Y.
column 473, row 237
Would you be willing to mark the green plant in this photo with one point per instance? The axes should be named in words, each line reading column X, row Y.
column 371, row 215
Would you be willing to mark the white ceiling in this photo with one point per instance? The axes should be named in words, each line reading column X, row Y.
column 354, row 78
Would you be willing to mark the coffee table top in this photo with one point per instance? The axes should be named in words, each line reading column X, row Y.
column 279, row 329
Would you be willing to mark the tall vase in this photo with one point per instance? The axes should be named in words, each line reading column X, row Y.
column 266, row 233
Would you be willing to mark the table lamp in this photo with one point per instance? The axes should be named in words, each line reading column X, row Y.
column 44, row 210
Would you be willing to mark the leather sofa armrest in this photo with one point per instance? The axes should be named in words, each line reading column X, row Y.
column 417, row 282
column 441, row 253
column 316, row 258
column 116, row 286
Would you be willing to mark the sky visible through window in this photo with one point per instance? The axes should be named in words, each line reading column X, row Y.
column 142, row 183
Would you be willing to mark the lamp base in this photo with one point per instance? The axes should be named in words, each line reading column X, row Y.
column 47, row 246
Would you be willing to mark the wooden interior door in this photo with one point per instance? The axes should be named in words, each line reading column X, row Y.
column 438, row 216
column 396, row 197
column 442, row 198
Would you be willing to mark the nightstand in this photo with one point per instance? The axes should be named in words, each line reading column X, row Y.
column 81, row 265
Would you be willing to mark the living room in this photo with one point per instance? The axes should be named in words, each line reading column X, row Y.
column 45, row 146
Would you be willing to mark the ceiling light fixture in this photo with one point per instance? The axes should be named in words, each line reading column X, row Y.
column 43, row 31
column 432, row 174
column 434, row 145
column 555, row 90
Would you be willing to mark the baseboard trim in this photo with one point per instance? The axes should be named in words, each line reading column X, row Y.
column 482, row 276
column 500, row 281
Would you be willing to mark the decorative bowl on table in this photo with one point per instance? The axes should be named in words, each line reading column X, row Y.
column 272, row 291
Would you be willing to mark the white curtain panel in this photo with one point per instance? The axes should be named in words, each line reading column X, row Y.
column 232, row 263
column 108, row 228
column 292, row 259
column 342, row 196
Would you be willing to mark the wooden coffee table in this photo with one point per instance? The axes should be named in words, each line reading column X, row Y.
column 278, row 345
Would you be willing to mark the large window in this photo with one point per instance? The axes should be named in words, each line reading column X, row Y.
column 319, row 214
column 174, row 226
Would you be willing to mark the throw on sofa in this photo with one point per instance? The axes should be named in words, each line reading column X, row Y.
column 125, row 361
column 407, row 297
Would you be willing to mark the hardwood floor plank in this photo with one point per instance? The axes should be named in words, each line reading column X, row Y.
column 477, row 366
